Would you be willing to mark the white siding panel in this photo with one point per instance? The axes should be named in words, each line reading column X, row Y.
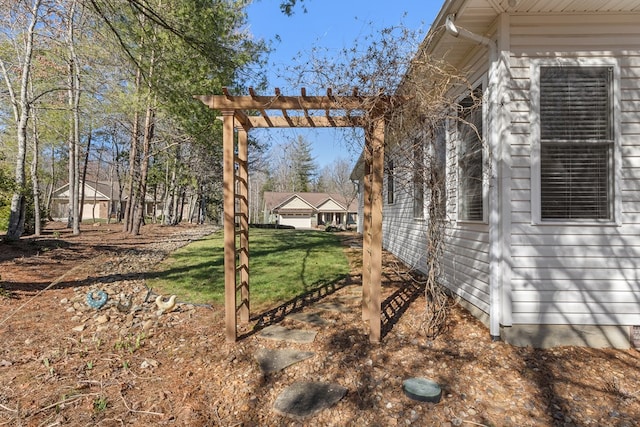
column 403, row 235
column 576, row 274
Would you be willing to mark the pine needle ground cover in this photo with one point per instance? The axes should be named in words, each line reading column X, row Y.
column 283, row 264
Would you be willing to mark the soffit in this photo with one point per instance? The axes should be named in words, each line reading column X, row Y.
column 479, row 16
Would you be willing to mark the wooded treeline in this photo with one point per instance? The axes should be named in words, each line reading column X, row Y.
column 100, row 91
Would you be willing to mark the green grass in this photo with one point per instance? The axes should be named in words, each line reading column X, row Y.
column 282, row 264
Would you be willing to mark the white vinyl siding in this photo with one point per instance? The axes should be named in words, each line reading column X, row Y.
column 403, row 235
column 565, row 273
column 465, row 261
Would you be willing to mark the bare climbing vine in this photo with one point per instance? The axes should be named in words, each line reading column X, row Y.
column 417, row 92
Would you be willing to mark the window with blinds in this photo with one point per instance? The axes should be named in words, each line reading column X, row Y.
column 576, row 147
column 390, row 183
column 470, row 158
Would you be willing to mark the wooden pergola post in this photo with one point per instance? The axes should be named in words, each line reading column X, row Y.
column 366, row 229
column 229, row 198
column 236, row 194
column 373, row 244
column 243, row 220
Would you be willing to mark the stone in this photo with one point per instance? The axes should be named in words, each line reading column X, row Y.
column 79, row 328
column 149, row 363
column 279, row 333
column 333, row 306
column 422, row 389
column 147, row 325
column 276, row 360
column 304, row 399
column 102, row 319
column 311, row 318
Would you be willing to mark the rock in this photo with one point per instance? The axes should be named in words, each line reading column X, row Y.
column 277, row 360
column 64, row 301
column 149, row 363
column 147, row 325
column 79, row 328
column 279, row 333
column 304, row 399
column 102, row 319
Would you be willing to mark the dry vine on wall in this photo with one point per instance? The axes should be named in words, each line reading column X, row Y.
column 395, row 64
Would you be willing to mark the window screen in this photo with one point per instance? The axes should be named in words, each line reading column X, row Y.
column 470, row 158
column 576, row 142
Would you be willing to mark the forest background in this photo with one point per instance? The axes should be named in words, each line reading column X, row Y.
column 100, row 91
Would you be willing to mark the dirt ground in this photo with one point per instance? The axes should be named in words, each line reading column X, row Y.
column 64, row 363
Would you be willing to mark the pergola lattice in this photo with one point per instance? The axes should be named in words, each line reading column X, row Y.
column 297, row 111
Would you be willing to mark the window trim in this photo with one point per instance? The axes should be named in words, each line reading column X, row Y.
column 536, row 185
column 482, row 83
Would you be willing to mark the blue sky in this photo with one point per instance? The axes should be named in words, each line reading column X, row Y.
column 333, row 25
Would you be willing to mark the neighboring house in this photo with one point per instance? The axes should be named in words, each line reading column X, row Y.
column 309, row 210
column 99, row 201
column 543, row 212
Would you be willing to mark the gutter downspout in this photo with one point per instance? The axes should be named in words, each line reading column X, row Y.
column 495, row 219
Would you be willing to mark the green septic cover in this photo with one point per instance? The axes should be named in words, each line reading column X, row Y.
column 422, row 389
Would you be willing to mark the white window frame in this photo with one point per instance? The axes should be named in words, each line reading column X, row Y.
column 536, row 186
column 485, row 157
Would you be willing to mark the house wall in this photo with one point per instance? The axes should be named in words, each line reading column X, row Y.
column 465, row 260
column 575, row 274
column 403, row 234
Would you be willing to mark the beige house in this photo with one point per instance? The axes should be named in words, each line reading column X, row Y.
column 99, row 201
column 309, row 210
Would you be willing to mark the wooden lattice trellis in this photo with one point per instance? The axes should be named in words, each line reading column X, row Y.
column 310, row 111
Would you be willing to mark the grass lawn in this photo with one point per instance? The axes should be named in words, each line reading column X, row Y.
column 282, row 264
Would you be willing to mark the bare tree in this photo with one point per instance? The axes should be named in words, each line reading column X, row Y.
column 21, row 103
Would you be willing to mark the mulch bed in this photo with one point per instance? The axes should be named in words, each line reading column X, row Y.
column 175, row 368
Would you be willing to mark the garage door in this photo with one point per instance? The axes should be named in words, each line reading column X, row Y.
column 296, row 221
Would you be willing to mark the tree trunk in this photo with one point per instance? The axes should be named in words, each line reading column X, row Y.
column 133, row 162
column 34, row 177
column 144, row 167
column 84, row 175
column 74, row 132
column 21, row 109
column 50, row 186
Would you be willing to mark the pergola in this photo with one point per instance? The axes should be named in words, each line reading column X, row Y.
column 297, row 112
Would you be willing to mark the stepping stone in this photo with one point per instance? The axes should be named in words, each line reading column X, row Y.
column 304, row 399
column 311, row 318
column 350, row 298
column 276, row 360
column 332, row 306
column 422, row 389
column 279, row 333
